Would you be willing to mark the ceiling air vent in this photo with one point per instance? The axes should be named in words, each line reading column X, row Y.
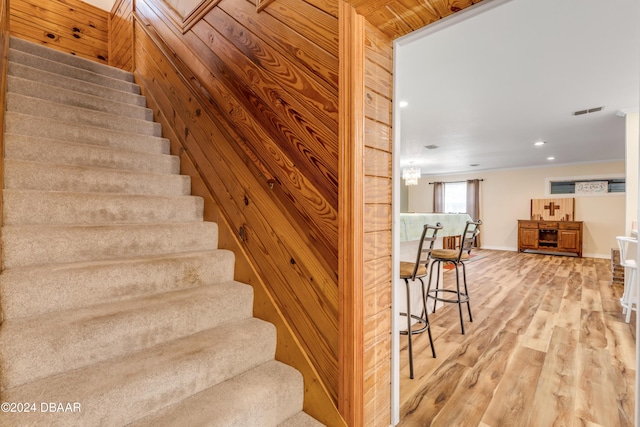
column 431, row 147
column 587, row 111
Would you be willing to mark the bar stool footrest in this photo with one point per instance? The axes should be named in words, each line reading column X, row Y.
column 463, row 297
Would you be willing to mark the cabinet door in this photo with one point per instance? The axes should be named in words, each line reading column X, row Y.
column 528, row 238
column 569, row 240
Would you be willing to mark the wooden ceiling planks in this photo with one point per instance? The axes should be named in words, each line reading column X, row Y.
column 400, row 17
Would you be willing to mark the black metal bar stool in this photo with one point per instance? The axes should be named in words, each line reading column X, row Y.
column 456, row 257
column 410, row 271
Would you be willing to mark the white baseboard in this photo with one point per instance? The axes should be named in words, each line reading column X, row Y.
column 500, row 248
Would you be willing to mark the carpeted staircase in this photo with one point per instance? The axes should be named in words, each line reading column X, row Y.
column 118, row 307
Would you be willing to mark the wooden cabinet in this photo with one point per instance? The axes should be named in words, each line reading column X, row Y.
column 557, row 237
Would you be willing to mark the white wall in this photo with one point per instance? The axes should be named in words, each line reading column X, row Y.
column 631, row 157
column 102, row 4
column 506, row 196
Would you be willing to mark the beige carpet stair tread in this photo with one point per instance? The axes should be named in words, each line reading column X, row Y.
column 23, row 124
column 72, row 98
column 150, row 380
column 63, row 114
column 33, row 291
column 301, row 419
column 64, row 82
column 52, row 343
column 32, row 207
column 44, row 150
column 274, row 392
column 72, row 60
column 26, row 175
column 114, row 297
column 49, row 244
column 71, row 71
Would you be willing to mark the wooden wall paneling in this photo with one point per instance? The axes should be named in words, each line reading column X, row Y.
column 315, row 24
column 378, row 83
column 121, row 35
column 310, row 92
column 312, row 199
column 329, row 6
column 377, row 135
column 377, row 107
column 71, row 26
column 317, row 400
column 377, row 217
column 377, row 162
column 303, row 98
column 378, row 189
column 317, row 237
column 351, row 224
column 287, row 41
column 300, row 284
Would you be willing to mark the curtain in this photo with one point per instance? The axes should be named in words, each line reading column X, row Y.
column 438, row 197
column 473, row 202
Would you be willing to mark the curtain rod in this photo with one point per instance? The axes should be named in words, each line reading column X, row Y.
column 454, row 182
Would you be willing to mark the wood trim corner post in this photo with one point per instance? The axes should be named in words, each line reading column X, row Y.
column 351, row 215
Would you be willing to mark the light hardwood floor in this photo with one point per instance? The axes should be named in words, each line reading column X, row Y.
column 548, row 346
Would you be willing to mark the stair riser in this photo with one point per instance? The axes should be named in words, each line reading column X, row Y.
column 37, row 245
column 76, row 99
column 22, row 124
column 57, row 80
column 41, row 176
column 80, row 116
column 96, row 335
column 32, row 292
column 18, row 147
column 150, row 382
column 69, row 71
column 65, row 58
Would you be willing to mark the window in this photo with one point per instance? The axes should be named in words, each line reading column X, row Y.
column 586, row 186
column 455, row 197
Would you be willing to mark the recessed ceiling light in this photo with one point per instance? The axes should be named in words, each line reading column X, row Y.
column 431, row 146
column 551, row 158
column 474, row 164
column 539, row 143
column 403, row 104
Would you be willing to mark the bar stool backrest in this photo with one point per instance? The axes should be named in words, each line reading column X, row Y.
column 468, row 239
column 425, row 247
column 624, row 243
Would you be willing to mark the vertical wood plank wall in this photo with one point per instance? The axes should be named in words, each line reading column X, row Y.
column 377, row 227
column 350, row 226
column 71, row 26
column 263, row 105
column 121, row 35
